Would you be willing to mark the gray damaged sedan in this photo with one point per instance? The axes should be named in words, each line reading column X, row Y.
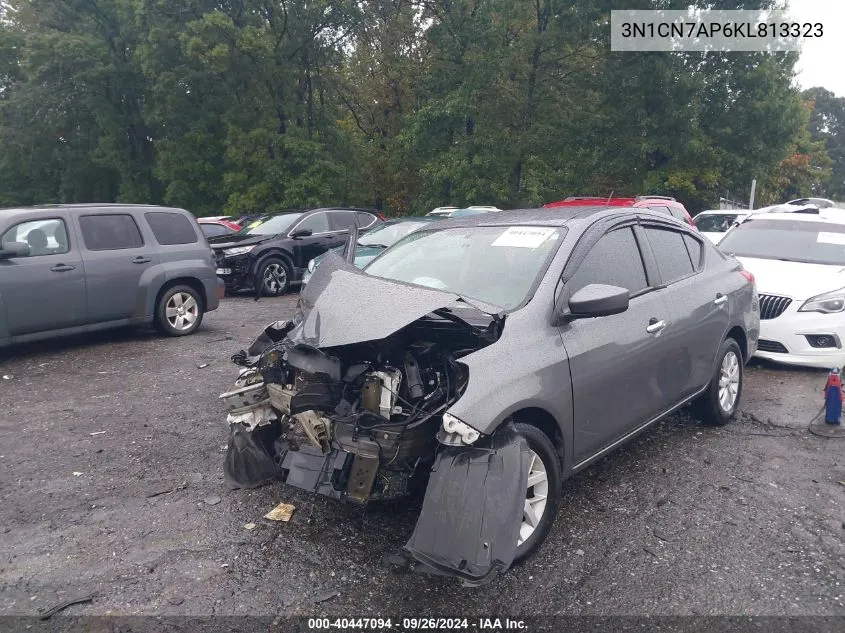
column 483, row 361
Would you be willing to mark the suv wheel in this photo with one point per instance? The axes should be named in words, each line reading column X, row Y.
column 179, row 311
column 543, row 493
column 718, row 405
column 275, row 276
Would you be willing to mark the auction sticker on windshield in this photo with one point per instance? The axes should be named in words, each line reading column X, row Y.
column 523, row 237
column 831, row 238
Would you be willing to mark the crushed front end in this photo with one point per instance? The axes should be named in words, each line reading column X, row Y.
column 351, row 415
column 357, row 423
column 354, row 406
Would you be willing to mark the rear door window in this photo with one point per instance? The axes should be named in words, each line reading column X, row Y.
column 316, row 223
column 615, row 260
column 110, row 232
column 342, row 220
column 171, row 228
column 671, row 253
column 44, row 237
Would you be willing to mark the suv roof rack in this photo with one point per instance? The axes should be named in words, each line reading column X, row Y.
column 656, row 198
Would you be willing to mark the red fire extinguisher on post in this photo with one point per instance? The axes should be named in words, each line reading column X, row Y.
column 833, row 397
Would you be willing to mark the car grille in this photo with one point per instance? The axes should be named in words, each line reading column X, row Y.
column 771, row 346
column 772, row 306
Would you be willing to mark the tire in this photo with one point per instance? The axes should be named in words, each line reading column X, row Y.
column 718, row 405
column 179, row 311
column 543, row 449
column 275, row 275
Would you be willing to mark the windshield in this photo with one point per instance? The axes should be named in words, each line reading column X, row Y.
column 790, row 240
column 272, row 225
column 497, row 265
column 715, row 223
column 388, row 234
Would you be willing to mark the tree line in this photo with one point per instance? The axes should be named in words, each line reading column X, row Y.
column 239, row 106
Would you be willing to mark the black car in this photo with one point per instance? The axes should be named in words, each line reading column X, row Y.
column 276, row 249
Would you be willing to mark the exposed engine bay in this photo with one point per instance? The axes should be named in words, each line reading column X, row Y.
column 369, row 413
column 359, row 413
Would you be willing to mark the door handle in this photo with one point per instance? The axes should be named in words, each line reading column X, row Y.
column 720, row 299
column 62, row 268
column 655, row 326
column 141, row 260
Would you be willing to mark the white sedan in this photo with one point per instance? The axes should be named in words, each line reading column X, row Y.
column 798, row 262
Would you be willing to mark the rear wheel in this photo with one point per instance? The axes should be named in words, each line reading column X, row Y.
column 179, row 311
column 718, row 405
column 542, row 495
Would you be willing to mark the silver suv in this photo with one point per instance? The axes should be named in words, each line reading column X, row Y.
column 68, row 269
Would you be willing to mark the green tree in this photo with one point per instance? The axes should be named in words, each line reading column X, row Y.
column 827, row 125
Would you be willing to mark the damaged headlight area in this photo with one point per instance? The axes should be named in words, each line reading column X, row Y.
column 458, row 432
column 359, row 422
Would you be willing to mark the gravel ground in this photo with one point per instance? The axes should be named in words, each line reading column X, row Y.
column 111, row 450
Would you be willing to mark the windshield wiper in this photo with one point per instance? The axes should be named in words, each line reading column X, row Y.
column 373, row 245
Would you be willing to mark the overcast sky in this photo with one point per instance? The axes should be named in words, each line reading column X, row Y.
column 822, row 61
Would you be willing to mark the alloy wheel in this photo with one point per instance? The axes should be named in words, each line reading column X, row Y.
column 536, row 496
column 182, row 311
column 728, row 382
column 275, row 278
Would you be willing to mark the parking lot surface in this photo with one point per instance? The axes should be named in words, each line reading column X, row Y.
column 111, row 450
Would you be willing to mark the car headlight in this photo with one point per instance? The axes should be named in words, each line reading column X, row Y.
column 451, row 424
column 237, row 250
column 828, row 303
column 312, row 265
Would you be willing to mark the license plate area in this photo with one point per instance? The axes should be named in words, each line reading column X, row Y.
column 224, row 271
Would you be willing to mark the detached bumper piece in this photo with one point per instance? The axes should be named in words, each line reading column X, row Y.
column 469, row 524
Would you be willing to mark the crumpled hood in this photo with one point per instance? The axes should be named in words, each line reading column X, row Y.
column 797, row 280
column 342, row 305
column 230, row 241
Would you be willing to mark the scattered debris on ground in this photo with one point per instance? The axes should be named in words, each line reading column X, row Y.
column 49, row 613
column 282, row 512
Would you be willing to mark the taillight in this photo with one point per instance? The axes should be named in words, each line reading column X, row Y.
column 748, row 275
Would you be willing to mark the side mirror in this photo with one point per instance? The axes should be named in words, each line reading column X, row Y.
column 594, row 300
column 599, row 300
column 300, row 233
column 14, row 249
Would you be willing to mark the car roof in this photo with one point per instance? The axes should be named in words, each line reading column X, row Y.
column 621, row 201
column 568, row 216
column 92, row 206
column 723, row 212
column 290, row 211
column 823, row 216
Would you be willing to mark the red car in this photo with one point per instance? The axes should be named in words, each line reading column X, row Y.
column 663, row 204
column 214, row 227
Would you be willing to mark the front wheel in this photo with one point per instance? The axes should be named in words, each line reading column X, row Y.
column 179, row 311
column 275, row 277
column 718, row 405
column 542, row 495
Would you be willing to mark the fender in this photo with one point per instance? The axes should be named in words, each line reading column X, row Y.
column 156, row 277
column 273, row 252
